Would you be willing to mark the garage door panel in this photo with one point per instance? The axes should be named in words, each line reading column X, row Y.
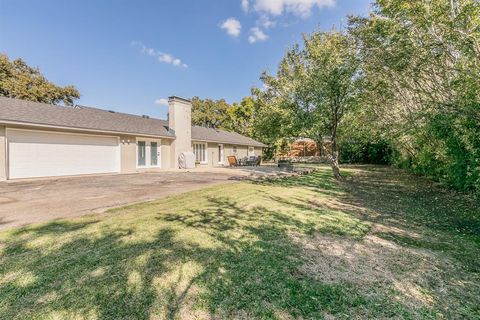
column 40, row 154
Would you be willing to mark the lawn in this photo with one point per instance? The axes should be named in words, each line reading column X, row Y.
column 381, row 244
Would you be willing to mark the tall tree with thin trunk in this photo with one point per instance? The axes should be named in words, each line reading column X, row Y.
column 315, row 86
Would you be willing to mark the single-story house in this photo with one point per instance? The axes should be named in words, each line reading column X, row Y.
column 42, row 140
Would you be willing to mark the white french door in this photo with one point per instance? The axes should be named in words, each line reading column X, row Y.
column 221, row 154
column 148, row 153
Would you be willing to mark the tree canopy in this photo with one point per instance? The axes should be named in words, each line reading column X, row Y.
column 421, row 86
column 405, row 79
column 312, row 90
column 209, row 113
column 19, row 80
column 238, row 117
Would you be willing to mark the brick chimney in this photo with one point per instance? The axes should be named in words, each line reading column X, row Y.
column 180, row 123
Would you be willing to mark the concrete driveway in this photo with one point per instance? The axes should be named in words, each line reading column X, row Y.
column 25, row 202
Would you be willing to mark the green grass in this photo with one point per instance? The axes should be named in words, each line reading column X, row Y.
column 380, row 244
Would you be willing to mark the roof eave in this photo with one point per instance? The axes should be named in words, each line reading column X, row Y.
column 41, row 125
column 257, row 144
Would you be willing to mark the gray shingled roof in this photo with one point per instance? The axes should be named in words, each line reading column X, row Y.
column 216, row 135
column 80, row 117
column 27, row 112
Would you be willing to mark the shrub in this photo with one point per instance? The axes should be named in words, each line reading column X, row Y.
column 379, row 152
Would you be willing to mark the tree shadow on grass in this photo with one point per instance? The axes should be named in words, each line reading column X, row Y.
column 397, row 199
column 54, row 227
column 432, row 217
column 396, row 193
column 254, row 273
column 112, row 274
column 250, row 268
column 83, row 277
column 410, row 213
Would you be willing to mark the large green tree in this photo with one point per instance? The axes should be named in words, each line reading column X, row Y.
column 209, row 113
column 240, row 117
column 19, row 80
column 313, row 89
column 421, row 85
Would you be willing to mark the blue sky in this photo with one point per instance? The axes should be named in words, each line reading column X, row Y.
column 130, row 55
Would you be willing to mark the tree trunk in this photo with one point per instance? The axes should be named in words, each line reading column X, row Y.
column 334, row 164
column 333, row 158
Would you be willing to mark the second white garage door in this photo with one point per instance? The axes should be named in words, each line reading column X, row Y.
column 34, row 153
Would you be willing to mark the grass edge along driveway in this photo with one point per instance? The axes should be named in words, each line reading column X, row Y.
column 380, row 244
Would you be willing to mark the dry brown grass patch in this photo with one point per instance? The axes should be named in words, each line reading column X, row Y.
column 379, row 268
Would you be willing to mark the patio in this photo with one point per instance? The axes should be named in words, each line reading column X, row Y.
column 23, row 202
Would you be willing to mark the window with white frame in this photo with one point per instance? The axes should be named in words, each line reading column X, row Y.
column 234, row 149
column 251, row 151
column 200, row 151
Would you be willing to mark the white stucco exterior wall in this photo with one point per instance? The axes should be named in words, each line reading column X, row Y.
column 180, row 122
column 166, row 151
column 212, row 153
column 3, row 155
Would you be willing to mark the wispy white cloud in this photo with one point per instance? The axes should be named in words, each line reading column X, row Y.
column 268, row 13
column 245, row 5
column 161, row 102
column 265, row 22
column 232, row 26
column 256, row 34
column 302, row 8
column 160, row 56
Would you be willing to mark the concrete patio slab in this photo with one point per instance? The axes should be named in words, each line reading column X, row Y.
column 24, row 202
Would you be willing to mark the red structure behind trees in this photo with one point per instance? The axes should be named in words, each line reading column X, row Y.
column 304, row 147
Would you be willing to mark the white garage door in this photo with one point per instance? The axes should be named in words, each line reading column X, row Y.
column 43, row 154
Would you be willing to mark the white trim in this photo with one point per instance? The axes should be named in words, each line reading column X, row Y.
column 61, row 132
column 136, row 154
column 148, row 151
column 159, row 153
column 32, row 124
column 206, row 151
column 248, row 151
column 7, row 158
column 221, row 153
column 231, row 143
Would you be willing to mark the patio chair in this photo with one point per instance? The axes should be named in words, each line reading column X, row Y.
column 258, row 162
column 251, row 161
column 232, row 161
